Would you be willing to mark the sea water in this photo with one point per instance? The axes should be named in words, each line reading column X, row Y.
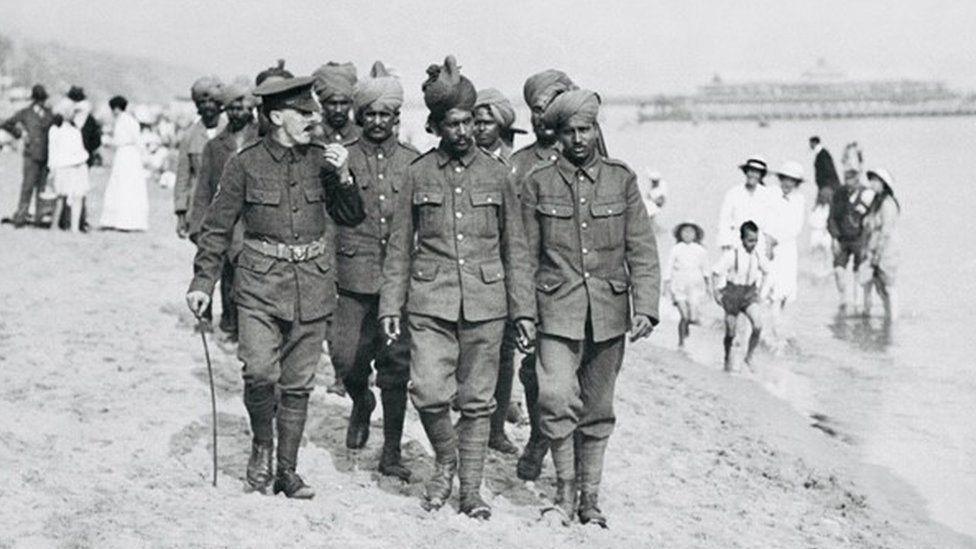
column 903, row 396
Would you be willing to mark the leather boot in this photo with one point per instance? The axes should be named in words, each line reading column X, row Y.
column 592, row 464
column 291, row 424
column 394, row 411
column 564, row 501
column 530, row 463
column 472, row 448
column 440, row 432
column 260, row 403
column 363, row 404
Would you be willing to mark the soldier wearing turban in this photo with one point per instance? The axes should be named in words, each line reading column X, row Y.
column 378, row 162
column 494, row 116
column 335, row 85
column 456, row 268
column 205, row 93
column 580, row 203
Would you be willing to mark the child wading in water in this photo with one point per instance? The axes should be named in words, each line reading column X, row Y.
column 737, row 278
column 686, row 276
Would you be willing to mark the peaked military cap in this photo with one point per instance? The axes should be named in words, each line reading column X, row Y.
column 288, row 93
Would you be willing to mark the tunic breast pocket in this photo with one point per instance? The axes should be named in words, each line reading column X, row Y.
column 429, row 207
column 314, row 191
column 555, row 224
column 262, row 205
column 608, row 224
column 485, row 206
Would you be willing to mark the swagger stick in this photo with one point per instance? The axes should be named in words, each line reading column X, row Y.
column 213, row 398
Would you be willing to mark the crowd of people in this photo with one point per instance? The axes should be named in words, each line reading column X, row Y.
column 852, row 223
column 64, row 138
column 434, row 271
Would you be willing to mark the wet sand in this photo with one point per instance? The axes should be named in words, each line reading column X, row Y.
column 105, row 436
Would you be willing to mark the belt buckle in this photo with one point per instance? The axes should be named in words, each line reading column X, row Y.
column 298, row 253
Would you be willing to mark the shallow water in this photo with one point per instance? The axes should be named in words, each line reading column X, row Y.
column 905, row 396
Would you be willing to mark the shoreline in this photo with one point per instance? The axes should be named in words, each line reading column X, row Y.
column 106, row 437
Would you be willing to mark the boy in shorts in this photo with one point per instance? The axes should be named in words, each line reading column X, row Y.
column 737, row 277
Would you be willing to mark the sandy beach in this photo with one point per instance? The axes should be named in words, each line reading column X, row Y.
column 105, row 436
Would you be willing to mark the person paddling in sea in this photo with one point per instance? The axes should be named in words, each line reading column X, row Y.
column 737, row 277
column 686, row 276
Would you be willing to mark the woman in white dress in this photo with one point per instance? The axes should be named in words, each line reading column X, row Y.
column 785, row 223
column 125, row 206
column 67, row 159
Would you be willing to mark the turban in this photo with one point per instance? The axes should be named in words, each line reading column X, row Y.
column 382, row 90
column 500, row 107
column 446, row 89
column 335, row 78
column 541, row 88
column 235, row 91
column 579, row 104
column 207, row 87
column 278, row 71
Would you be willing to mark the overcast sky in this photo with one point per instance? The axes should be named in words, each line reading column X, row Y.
column 625, row 47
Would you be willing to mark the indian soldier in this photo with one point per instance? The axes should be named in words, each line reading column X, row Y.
column 32, row 122
column 494, row 116
column 596, row 269
column 282, row 188
column 378, row 163
column 539, row 91
column 205, row 94
column 238, row 105
column 335, row 84
column 456, row 260
column 493, row 133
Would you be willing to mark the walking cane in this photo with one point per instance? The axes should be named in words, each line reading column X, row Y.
column 213, row 396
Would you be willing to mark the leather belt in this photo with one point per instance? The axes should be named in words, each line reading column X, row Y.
column 294, row 253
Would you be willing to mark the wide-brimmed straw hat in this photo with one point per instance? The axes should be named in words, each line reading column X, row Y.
column 699, row 232
column 755, row 163
column 791, row 170
column 882, row 174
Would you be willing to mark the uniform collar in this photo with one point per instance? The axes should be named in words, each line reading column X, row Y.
column 545, row 152
column 570, row 171
column 443, row 158
column 387, row 147
column 278, row 151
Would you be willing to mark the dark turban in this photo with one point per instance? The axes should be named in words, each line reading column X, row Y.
column 541, row 88
column 582, row 105
column 335, row 78
column 500, row 107
column 382, row 90
column 207, row 87
column 278, row 71
column 446, row 89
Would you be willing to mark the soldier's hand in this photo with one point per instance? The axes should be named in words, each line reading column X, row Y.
column 526, row 335
column 641, row 327
column 337, row 155
column 197, row 302
column 391, row 327
column 182, row 225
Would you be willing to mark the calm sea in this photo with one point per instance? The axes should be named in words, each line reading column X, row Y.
column 904, row 397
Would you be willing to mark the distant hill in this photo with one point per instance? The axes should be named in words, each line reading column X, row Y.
column 101, row 74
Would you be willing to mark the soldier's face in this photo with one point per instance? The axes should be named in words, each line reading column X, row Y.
column 295, row 127
column 455, row 130
column 578, row 139
column 335, row 110
column 378, row 124
column 541, row 131
column 238, row 115
column 208, row 109
column 486, row 129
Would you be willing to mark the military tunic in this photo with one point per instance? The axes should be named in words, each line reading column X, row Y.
column 594, row 252
column 345, row 135
column 287, row 197
column 457, row 263
column 188, row 162
column 378, row 170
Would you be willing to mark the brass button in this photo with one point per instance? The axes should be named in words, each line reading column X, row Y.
column 379, row 155
column 458, row 169
column 380, row 176
column 583, row 200
column 458, row 215
column 460, row 236
column 294, row 208
column 583, row 225
column 382, row 197
column 461, row 261
column 382, row 220
column 585, row 251
column 586, row 275
column 457, row 190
